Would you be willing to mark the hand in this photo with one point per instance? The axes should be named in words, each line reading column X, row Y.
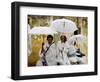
column 43, row 44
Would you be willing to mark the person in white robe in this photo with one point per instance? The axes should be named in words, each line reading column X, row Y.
column 48, row 53
column 62, row 48
column 75, row 53
column 29, row 49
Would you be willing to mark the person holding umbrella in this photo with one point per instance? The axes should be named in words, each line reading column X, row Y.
column 63, row 47
column 76, row 41
column 65, row 26
column 48, row 53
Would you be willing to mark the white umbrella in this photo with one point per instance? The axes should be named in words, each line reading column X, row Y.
column 42, row 30
column 63, row 26
column 77, row 38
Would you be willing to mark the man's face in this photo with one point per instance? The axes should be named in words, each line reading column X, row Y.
column 62, row 38
column 50, row 40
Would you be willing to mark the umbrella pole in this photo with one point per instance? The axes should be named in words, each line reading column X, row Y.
column 43, row 38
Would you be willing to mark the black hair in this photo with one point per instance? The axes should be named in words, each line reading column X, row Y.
column 49, row 36
column 76, row 32
column 65, row 38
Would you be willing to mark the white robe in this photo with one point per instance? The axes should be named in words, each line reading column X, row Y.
column 50, row 55
column 62, row 49
column 73, row 56
column 29, row 50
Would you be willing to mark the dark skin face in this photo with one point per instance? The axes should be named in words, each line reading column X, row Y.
column 50, row 40
column 63, row 38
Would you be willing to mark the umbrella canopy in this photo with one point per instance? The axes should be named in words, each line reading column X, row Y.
column 77, row 38
column 63, row 26
column 42, row 30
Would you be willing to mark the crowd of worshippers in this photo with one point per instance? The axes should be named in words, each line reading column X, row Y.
column 60, row 53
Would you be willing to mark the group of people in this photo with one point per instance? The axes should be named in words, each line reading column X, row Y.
column 60, row 53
